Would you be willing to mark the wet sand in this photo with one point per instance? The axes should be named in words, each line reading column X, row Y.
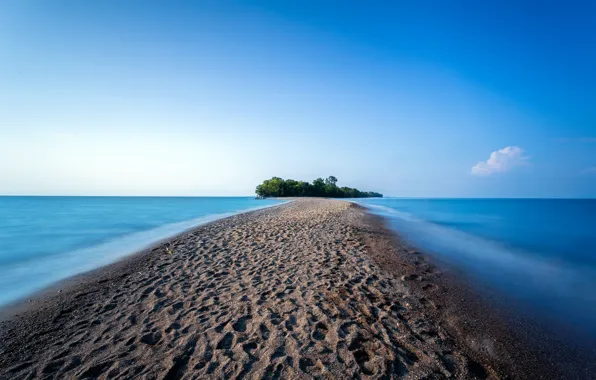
column 310, row 289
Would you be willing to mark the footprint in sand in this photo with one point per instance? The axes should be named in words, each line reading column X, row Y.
column 226, row 342
column 240, row 324
column 151, row 338
column 320, row 331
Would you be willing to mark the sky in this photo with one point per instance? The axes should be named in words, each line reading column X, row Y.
column 411, row 99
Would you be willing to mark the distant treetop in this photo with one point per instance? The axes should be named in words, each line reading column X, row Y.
column 278, row 187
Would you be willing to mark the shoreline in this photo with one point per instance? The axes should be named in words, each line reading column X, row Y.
column 23, row 302
column 438, row 337
column 549, row 350
column 482, row 327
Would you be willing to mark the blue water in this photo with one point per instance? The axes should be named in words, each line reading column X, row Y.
column 46, row 239
column 540, row 254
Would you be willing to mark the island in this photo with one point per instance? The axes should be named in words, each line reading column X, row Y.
column 278, row 187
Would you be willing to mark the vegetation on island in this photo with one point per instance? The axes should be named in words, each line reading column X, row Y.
column 278, row 187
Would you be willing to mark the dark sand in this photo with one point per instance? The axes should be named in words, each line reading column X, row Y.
column 309, row 289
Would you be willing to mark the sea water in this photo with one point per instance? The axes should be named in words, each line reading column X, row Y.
column 539, row 254
column 46, row 239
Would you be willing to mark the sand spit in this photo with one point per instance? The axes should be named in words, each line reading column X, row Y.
column 301, row 290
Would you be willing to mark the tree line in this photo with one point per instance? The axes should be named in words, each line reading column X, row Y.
column 278, row 187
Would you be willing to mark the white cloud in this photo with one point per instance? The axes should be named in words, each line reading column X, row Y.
column 501, row 161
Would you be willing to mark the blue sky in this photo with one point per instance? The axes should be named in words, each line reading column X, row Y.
column 424, row 99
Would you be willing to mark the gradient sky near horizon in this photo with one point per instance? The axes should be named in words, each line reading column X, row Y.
column 413, row 99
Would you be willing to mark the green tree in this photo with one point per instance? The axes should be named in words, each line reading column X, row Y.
column 318, row 187
column 278, row 187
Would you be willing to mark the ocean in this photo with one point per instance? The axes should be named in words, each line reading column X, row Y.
column 47, row 239
column 539, row 255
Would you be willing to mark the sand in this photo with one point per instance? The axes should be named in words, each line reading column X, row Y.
column 308, row 289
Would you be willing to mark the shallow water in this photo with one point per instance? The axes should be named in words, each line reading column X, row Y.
column 539, row 254
column 46, row 239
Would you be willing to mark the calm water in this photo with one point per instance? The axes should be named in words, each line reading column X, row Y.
column 539, row 254
column 46, row 239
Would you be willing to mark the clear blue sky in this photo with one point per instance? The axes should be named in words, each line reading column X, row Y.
column 417, row 98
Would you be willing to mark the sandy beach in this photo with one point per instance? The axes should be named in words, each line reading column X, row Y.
column 309, row 289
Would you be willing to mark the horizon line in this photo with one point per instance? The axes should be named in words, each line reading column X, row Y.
column 252, row 195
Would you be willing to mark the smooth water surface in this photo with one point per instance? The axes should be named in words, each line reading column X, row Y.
column 539, row 253
column 46, row 239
